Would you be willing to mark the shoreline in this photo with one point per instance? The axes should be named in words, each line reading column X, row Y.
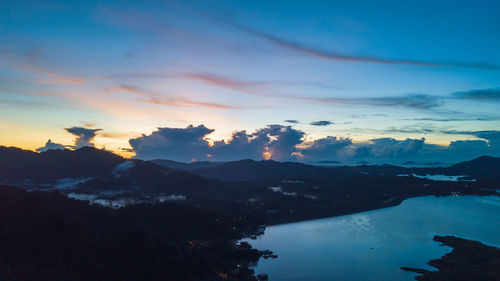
column 469, row 260
column 397, row 203
column 394, row 203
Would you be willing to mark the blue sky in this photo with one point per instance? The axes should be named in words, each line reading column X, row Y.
column 367, row 69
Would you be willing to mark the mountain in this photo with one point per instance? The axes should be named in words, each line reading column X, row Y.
column 18, row 164
column 148, row 179
column 167, row 213
column 272, row 171
column 484, row 165
column 482, row 168
column 276, row 191
column 94, row 171
column 191, row 167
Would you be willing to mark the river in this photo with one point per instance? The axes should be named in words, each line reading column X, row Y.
column 373, row 245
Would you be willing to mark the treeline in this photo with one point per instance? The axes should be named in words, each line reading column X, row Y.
column 46, row 236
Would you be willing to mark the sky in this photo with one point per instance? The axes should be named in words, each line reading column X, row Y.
column 347, row 81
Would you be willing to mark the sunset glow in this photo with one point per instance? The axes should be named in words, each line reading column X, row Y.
column 354, row 72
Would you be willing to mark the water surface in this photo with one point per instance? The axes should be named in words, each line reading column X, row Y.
column 374, row 245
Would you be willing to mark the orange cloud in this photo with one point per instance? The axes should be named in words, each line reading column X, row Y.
column 249, row 87
column 154, row 98
column 187, row 103
column 58, row 79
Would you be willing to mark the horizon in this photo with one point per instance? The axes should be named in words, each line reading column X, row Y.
column 386, row 82
column 322, row 163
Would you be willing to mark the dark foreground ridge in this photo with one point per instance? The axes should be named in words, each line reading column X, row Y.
column 46, row 236
column 469, row 260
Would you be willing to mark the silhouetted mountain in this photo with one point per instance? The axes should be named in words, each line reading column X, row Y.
column 149, row 178
column 485, row 169
column 273, row 171
column 18, row 164
column 194, row 166
column 484, row 165
column 328, row 162
column 94, row 171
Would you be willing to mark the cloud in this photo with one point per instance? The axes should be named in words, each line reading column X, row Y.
column 414, row 129
column 489, row 118
column 292, row 121
column 55, row 78
column 273, row 142
column 154, row 98
column 283, row 143
column 419, row 101
column 328, row 148
column 283, row 140
column 394, row 151
column 321, row 123
column 260, row 88
column 84, row 136
column 29, row 60
column 331, row 55
column 188, row 144
column 483, row 95
column 416, row 101
column 492, row 137
column 251, row 87
column 180, row 144
column 50, row 145
column 393, row 148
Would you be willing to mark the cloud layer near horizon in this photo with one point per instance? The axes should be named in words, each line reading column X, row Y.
column 284, row 143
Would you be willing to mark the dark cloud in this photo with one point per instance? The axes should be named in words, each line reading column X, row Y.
column 483, row 94
column 413, row 101
column 393, row 151
column 284, row 143
column 188, row 144
column 445, row 119
column 283, row 140
column 292, row 121
column 50, row 145
column 393, row 148
column 180, row 144
column 84, row 136
column 329, row 148
column 420, row 101
column 331, row 55
column 275, row 141
column 410, row 129
column 321, row 123
column 493, row 137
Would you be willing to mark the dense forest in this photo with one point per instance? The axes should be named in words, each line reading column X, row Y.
column 46, row 236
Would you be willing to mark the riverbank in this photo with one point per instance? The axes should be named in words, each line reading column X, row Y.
column 372, row 245
column 469, row 260
column 367, row 206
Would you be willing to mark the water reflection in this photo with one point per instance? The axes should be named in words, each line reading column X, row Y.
column 373, row 245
